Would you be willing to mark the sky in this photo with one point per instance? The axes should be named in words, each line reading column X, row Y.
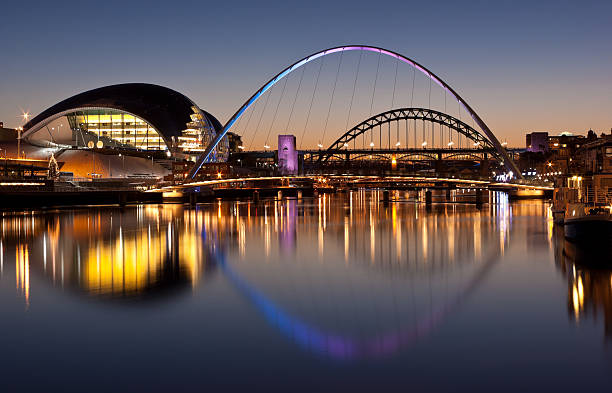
column 522, row 65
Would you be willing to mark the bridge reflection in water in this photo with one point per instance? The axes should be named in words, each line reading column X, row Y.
column 343, row 275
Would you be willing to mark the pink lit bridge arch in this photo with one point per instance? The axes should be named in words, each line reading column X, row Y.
column 206, row 155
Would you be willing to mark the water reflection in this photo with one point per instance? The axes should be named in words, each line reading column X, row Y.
column 341, row 275
column 589, row 291
column 106, row 252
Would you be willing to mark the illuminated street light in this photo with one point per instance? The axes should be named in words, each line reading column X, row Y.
column 450, row 143
column 219, row 175
column 241, row 147
column 398, row 143
column 424, row 143
column 320, row 145
column 371, row 144
column 266, row 147
column 345, row 144
column 25, row 116
column 504, row 143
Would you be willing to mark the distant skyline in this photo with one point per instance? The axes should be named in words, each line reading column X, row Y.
column 523, row 66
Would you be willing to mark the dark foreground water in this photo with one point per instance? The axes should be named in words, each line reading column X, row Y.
column 337, row 293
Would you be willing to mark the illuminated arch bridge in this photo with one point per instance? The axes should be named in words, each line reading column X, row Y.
column 484, row 137
column 136, row 116
column 407, row 140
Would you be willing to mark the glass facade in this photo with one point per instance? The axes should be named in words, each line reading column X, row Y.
column 199, row 134
column 114, row 128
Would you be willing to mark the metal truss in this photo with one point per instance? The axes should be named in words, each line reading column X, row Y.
column 482, row 144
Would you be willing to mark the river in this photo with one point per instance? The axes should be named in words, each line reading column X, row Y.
column 340, row 292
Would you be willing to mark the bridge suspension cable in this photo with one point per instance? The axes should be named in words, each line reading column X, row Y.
column 311, row 102
column 295, row 99
column 276, row 112
column 260, row 117
column 348, row 117
column 331, row 102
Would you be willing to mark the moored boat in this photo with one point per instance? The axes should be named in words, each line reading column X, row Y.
column 594, row 228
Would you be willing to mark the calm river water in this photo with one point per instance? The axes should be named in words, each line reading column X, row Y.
column 335, row 293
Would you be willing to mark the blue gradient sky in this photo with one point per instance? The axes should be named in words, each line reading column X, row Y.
column 522, row 65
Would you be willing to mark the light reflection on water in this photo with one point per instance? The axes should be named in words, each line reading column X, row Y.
column 344, row 277
column 589, row 282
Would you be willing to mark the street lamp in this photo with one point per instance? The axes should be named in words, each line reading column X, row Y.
column 19, row 129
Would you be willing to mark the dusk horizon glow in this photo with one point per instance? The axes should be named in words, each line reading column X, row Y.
column 510, row 61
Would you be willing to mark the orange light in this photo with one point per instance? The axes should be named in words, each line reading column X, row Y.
column 219, row 175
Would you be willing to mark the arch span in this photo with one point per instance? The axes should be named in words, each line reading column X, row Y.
column 411, row 114
column 510, row 165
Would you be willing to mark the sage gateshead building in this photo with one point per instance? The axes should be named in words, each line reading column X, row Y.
column 129, row 118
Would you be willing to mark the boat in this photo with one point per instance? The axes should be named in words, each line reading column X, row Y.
column 586, row 218
column 589, row 226
column 586, row 199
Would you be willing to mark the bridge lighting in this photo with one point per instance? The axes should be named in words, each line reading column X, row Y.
column 393, row 161
column 345, row 144
column 241, row 147
column 476, row 144
column 219, row 175
column 549, row 164
column 371, row 144
column 168, row 154
column 25, row 116
column 504, row 143
column 450, row 143
column 424, row 143
column 320, row 145
column 398, row 143
column 266, row 147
